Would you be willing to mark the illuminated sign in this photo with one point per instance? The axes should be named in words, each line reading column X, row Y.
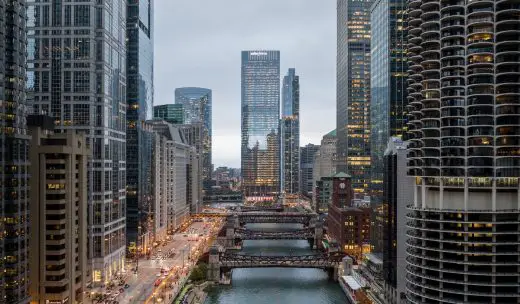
column 258, row 53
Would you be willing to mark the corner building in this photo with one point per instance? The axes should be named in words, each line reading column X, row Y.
column 260, row 153
column 77, row 75
column 464, row 94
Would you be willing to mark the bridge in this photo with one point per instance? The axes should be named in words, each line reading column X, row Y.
column 275, row 217
column 224, row 198
column 233, row 233
column 259, row 208
column 301, row 234
column 221, row 263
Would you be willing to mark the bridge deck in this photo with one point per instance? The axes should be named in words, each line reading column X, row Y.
column 255, row 261
column 301, row 234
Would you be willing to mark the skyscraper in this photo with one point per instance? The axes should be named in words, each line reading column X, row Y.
column 14, row 145
column 197, row 109
column 398, row 192
column 353, row 91
column 388, row 74
column 139, row 98
column 171, row 113
column 77, row 75
column 58, row 240
column 464, row 89
column 260, row 155
column 307, row 154
column 290, row 133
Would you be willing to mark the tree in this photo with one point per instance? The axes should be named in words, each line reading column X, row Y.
column 199, row 272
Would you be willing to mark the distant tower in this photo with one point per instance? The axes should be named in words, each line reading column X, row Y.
column 197, row 108
column 260, row 123
column 290, row 133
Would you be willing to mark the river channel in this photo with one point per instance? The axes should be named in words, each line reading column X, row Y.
column 277, row 285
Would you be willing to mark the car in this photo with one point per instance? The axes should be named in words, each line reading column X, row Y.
column 127, row 286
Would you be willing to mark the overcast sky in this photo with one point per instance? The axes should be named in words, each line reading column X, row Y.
column 198, row 43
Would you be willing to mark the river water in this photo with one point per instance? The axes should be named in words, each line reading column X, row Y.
column 277, row 285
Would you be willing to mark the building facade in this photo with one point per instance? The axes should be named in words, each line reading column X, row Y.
column 388, row 66
column 290, row 134
column 139, row 98
column 463, row 152
column 58, row 240
column 192, row 135
column 324, row 161
column 260, row 147
column 171, row 165
column 398, row 192
column 171, row 113
column 307, row 154
column 14, row 145
column 353, row 91
column 197, row 105
column 77, row 75
column 349, row 226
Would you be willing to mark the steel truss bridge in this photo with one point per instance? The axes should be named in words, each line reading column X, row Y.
column 256, row 209
column 322, row 261
column 275, row 217
column 301, row 234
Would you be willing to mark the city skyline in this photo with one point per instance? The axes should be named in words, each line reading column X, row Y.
column 196, row 64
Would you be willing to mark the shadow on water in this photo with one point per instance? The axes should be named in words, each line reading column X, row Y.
column 277, row 285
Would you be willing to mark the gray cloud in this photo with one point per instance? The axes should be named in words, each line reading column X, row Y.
column 198, row 43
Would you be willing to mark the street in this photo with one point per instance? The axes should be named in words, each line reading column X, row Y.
column 175, row 258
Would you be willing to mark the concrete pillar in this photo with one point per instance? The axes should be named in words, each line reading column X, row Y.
column 318, row 235
column 313, row 220
column 214, row 264
column 230, row 236
column 236, row 222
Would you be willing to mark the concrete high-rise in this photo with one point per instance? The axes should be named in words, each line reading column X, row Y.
column 388, row 72
column 353, row 91
column 14, row 145
column 290, row 134
column 260, row 153
column 463, row 89
column 139, row 99
column 58, row 240
column 171, row 178
column 307, row 154
column 197, row 107
column 77, row 75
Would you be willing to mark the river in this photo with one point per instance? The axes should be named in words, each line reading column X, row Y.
column 277, row 285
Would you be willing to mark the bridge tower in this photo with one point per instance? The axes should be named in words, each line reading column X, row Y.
column 230, row 234
column 318, row 235
column 214, row 264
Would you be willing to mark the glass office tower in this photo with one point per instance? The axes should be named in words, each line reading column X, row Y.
column 260, row 155
column 464, row 92
column 290, row 133
column 388, row 66
column 172, row 113
column 353, row 91
column 139, row 92
column 77, row 67
column 14, row 145
column 197, row 109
